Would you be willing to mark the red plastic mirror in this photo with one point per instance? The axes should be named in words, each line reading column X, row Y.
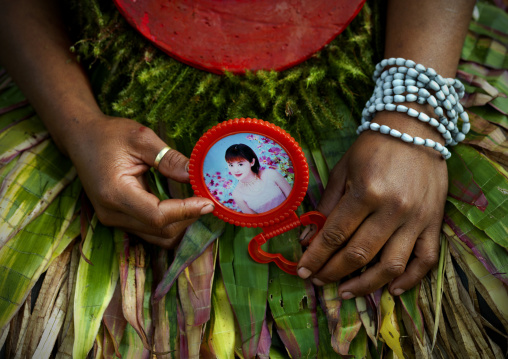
column 257, row 176
column 236, row 35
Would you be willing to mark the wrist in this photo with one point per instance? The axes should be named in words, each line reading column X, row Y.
column 71, row 125
column 405, row 124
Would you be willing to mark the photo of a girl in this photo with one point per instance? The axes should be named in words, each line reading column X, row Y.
column 258, row 190
column 248, row 173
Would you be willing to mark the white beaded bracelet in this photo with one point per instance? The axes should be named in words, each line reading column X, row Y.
column 405, row 137
column 411, row 82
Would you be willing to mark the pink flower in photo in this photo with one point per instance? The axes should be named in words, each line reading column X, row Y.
column 264, row 160
column 275, row 150
column 252, row 137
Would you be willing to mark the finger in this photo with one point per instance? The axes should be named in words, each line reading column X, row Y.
column 392, row 264
column 426, row 256
column 368, row 240
column 334, row 190
column 167, row 243
column 133, row 225
column 146, row 207
column 173, row 165
column 339, row 226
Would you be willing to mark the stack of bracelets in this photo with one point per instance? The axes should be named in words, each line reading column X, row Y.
column 411, row 82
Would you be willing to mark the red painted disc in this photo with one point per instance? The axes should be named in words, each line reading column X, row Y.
column 236, row 35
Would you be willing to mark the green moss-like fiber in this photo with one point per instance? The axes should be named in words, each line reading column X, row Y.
column 134, row 79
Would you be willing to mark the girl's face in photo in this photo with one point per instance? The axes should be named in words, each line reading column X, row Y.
column 241, row 168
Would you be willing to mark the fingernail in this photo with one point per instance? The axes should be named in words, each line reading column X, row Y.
column 318, row 282
column 398, row 291
column 347, row 295
column 207, row 209
column 305, row 233
column 187, row 167
column 304, row 273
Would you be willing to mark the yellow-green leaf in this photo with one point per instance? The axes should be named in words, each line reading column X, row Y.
column 389, row 326
column 95, row 284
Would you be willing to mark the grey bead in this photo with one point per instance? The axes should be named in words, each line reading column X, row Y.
column 431, row 72
column 440, row 80
column 396, row 83
column 412, row 73
column 374, row 126
column 466, row 127
column 390, row 107
column 438, row 147
column 460, row 137
column 399, row 61
column 384, row 129
column 447, row 105
column 464, row 116
column 432, row 101
column 429, row 143
column 423, row 78
column 391, row 61
column 388, row 99
column 380, row 107
column 410, row 63
column 420, row 68
column 412, row 112
column 406, row 138
column 395, row 133
column 433, row 122
column 423, row 117
column 399, row 98
column 434, row 86
column 440, row 95
column 401, row 108
column 397, row 90
column 418, row 141
column 411, row 98
column 423, row 93
column 412, row 89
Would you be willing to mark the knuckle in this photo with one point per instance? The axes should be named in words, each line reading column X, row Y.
column 357, row 257
column 106, row 197
column 395, row 269
column 400, row 204
column 334, row 238
column 104, row 218
column 158, row 221
column 430, row 259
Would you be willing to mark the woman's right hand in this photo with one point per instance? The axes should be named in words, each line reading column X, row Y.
column 111, row 156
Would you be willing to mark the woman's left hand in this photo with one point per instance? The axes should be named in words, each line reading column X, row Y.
column 385, row 197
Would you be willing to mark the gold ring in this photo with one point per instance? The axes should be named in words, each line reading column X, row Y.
column 160, row 156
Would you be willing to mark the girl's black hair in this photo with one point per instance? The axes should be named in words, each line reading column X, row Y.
column 241, row 151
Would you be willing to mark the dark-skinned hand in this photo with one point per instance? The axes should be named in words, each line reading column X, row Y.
column 384, row 199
